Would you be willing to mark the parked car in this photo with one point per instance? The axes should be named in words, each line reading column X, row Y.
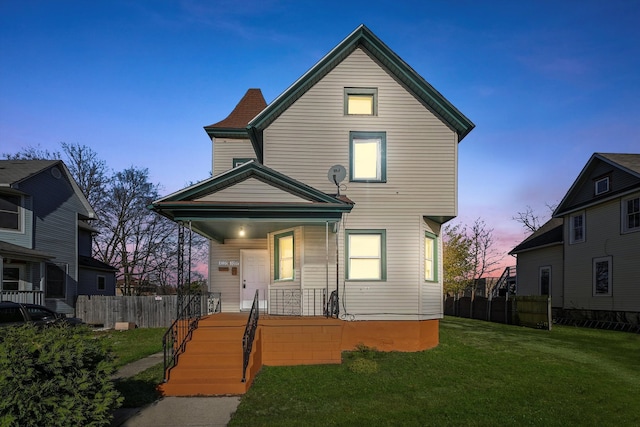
column 13, row 313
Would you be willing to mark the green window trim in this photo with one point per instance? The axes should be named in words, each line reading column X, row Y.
column 237, row 161
column 381, row 165
column 278, row 262
column 364, row 92
column 433, row 260
column 382, row 257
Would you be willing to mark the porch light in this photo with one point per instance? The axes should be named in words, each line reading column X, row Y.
column 241, row 232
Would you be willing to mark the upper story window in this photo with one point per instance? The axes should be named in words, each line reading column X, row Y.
column 366, row 254
column 368, row 158
column 283, row 247
column 630, row 214
column 576, row 228
column 601, row 185
column 10, row 212
column 360, row 101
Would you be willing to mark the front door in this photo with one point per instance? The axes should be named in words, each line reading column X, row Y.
column 254, row 275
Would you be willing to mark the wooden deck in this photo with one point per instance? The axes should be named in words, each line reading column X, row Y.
column 212, row 362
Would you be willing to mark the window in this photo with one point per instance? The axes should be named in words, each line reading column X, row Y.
column 360, row 101
column 545, row 280
column 240, row 161
column 366, row 255
column 56, row 283
column 11, row 278
column 284, row 256
column 602, row 276
column 630, row 215
column 102, row 281
column 576, row 228
column 10, row 212
column 430, row 259
column 602, row 185
column 368, row 156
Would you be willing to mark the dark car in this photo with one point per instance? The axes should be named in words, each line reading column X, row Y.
column 13, row 313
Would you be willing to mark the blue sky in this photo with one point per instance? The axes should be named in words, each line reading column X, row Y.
column 547, row 83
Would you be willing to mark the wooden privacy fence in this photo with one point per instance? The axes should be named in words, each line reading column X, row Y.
column 531, row 311
column 145, row 311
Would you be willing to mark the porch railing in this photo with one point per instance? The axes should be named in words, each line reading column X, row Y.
column 297, row 302
column 23, row 297
column 175, row 340
column 249, row 334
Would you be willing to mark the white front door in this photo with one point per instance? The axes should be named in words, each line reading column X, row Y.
column 254, row 275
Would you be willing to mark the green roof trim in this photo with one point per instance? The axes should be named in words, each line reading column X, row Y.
column 361, row 37
column 251, row 169
column 226, row 132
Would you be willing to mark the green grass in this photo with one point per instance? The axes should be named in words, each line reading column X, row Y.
column 134, row 344
column 140, row 390
column 481, row 374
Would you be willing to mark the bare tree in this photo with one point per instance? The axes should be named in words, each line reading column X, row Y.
column 91, row 173
column 33, row 153
column 530, row 220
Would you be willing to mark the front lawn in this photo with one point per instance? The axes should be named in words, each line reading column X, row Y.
column 481, row 374
column 134, row 344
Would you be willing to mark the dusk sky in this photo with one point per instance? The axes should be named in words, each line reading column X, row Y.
column 547, row 83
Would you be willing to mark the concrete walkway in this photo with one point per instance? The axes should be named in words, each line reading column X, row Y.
column 173, row 411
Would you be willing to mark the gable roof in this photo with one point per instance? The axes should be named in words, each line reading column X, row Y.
column 626, row 163
column 14, row 172
column 549, row 234
column 235, row 125
column 217, row 219
column 363, row 38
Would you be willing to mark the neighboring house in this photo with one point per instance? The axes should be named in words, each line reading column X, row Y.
column 342, row 183
column 587, row 257
column 45, row 241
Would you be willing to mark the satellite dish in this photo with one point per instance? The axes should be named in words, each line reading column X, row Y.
column 337, row 173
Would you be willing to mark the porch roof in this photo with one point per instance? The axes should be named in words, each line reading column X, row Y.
column 9, row 250
column 220, row 220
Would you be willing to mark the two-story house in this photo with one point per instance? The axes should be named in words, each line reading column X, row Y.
column 587, row 257
column 45, row 239
column 340, row 185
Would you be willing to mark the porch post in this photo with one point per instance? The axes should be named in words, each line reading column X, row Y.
column 326, row 244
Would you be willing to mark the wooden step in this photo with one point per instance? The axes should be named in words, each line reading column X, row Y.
column 203, row 388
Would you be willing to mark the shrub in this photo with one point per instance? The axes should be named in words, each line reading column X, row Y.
column 55, row 376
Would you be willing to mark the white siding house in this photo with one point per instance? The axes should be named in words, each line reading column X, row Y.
column 342, row 184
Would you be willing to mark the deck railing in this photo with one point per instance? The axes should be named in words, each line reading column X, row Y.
column 175, row 340
column 23, row 297
column 249, row 334
column 297, row 302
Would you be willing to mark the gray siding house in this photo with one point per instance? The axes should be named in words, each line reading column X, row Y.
column 45, row 239
column 339, row 186
column 587, row 257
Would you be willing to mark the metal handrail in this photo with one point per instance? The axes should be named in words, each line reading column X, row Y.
column 174, row 341
column 249, row 335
